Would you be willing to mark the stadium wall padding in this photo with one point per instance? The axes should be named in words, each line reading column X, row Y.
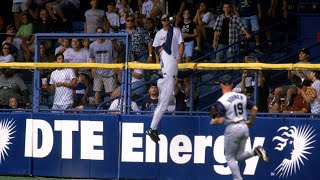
column 116, row 146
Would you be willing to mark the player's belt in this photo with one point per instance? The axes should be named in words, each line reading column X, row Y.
column 237, row 122
column 161, row 75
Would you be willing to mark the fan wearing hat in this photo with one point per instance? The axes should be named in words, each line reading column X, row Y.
column 296, row 77
column 168, row 43
column 231, row 108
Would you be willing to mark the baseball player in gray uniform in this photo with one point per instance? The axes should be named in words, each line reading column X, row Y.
column 232, row 108
column 168, row 43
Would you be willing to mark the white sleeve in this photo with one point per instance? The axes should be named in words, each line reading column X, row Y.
column 134, row 106
column 207, row 17
column 114, row 105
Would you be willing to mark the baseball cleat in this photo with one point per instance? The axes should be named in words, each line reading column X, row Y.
column 262, row 153
column 153, row 135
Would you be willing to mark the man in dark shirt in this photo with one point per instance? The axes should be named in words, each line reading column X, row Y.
column 150, row 102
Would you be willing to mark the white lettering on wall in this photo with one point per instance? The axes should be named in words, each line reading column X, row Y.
column 40, row 129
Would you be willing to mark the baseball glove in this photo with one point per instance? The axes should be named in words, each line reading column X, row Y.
column 213, row 112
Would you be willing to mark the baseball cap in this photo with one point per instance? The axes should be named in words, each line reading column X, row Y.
column 165, row 16
column 305, row 50
column 225, row 79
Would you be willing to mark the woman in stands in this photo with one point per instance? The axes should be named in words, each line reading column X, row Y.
column 5, row 55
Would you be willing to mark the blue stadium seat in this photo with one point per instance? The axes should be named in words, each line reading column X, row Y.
column 77, row 26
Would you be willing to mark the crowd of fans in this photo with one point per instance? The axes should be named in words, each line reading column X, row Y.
column 206, row 25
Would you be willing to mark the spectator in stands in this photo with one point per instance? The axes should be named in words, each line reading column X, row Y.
column 80, row 91
column 34, row 8
column 62, row 81
column 189, row 32
column 26, row 28
column 151, row 101
column 182, row 92
column 151, row 28
column 24, row 53
column 76, row 54
column 299, row 104
column 43, row 26
column 277, row 11
column 113, row 18
column 141, row 43
column 86, row 43
column 137, row 82
column 13, row 103
column 291, row 90
column 55, row 7
column 95, row 18
column 102, row 51
column 115, row 106
column 18, row 5
column 64, row 45
column 312, row 95
column 250, row 12
column 157, row 9
column 147, row 6
column 227, row 30
column 6, row 53
column 124, row 10
column 45, row 56
column 205, row 21
column 182, row 101
column 11, row 85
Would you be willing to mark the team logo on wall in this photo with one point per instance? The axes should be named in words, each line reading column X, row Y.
column 298, row 142
column 6, row 134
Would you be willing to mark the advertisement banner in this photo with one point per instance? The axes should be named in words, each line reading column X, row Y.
column 61, row 145
column 114, row 146
column 12, row 138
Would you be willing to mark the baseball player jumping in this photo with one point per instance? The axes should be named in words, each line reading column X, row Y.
column 168, row 43
column 232, row 108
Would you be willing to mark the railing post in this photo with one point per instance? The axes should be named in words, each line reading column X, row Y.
column 256, row 86
column 36, row 78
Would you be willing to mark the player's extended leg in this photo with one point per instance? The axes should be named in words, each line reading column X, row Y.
column 165, row 86
column 232, row 138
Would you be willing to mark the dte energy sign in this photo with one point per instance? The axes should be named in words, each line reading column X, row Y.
column 118, row 147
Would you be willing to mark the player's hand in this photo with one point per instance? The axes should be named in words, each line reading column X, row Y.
column 212, row 122
column 249, row 123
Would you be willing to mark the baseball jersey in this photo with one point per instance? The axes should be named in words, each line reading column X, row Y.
column 233, row 107
column 169, row 65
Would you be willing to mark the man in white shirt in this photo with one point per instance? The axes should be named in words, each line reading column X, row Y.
column 169, row 46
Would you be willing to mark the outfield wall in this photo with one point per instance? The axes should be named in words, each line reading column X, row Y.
column 114, row 146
